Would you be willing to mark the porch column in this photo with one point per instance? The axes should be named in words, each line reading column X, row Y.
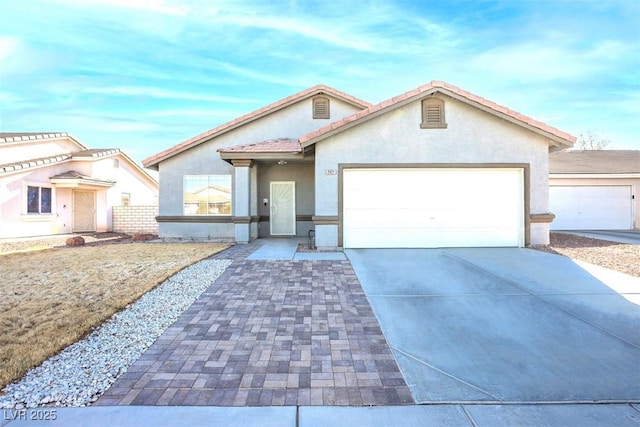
column 242, row 200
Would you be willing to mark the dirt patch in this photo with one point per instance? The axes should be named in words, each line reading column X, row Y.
column 616, row 256
column 51, row 298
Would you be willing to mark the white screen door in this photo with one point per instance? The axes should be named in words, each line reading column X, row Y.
column 84, row 211
column 283, row 208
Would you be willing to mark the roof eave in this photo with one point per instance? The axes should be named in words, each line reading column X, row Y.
column 553, row 140
column 153, row 161
column 230, row 156
column 80, row 183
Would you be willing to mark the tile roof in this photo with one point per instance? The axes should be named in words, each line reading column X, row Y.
column 595, row 162
column 13, row 137
column 432, row 87
column 43, row 161
column 31, row 163
column 198, row 139
column 279, row 145
column 96, row 152
column 73, row 175
column 29, row 136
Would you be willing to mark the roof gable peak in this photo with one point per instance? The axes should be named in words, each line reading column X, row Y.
column 153, row 161
column 438, row 86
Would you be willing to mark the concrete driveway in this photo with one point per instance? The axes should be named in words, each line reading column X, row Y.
column 504, row 325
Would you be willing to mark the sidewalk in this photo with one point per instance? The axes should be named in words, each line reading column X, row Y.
column 594, row 415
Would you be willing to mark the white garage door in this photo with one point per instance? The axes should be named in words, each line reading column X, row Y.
column 591, row 207
column 428, row 208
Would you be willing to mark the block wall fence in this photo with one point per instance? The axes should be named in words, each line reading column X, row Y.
column 135, row 219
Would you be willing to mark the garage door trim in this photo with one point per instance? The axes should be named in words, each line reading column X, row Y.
column 524, row 166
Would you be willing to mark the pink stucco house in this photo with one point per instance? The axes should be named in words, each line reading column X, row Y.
column 51, row 183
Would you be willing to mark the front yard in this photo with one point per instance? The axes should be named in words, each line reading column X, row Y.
column 52, row 298
column 615, row 256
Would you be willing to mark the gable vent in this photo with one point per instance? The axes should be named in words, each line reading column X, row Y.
column 321, row 107
column 433, row 114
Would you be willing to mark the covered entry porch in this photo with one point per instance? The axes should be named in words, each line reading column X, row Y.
column 273, row 191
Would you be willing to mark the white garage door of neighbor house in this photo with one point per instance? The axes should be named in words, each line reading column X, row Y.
column 429, row 208
column 591, row 207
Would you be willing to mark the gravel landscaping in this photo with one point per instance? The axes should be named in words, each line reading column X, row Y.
column 80, row 373
column 615, row 256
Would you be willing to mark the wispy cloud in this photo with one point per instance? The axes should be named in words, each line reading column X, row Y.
column 159, row 71
column 154, row 92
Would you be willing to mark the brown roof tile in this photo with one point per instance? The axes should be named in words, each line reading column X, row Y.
column 157, row 158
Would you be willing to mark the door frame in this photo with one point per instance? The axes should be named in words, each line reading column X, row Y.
column 293, row 206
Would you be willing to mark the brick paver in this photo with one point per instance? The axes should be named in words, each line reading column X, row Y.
column 269, row 333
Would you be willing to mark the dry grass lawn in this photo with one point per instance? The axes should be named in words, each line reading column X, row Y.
column 54, row 297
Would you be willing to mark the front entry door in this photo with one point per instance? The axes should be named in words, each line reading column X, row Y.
column 84, row 211
column 283, row 208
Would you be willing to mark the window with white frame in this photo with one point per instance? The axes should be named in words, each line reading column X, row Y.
column 125, row 199
column 207, row 194
column 39, row 200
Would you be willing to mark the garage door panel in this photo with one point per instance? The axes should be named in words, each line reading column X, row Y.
column 437, row 237
column 591, row 207
column 432, row 207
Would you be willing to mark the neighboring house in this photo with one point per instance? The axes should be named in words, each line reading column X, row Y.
column 433, row 167
column 51, row 183
column 595, row 189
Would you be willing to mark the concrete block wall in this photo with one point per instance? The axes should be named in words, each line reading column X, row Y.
column 135, row 219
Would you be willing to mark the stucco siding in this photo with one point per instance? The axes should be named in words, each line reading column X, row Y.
column 197, row 231
column 303, row 175
column 200, row 160
column 203, row 159
column 471, row 136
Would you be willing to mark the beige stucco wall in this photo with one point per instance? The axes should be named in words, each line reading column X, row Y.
column 633, row 182
column 290, row 122
column 472, row 136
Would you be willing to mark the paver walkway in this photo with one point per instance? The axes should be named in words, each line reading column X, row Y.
column 269, row 333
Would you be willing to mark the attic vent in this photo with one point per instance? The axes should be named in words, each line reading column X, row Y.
column 433, row 114
column 320, row 107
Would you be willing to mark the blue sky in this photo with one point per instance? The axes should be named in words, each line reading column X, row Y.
column 143, row 75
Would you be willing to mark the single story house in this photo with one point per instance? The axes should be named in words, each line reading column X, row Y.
column 51, row 183
column 433, row 167
column 595, row 189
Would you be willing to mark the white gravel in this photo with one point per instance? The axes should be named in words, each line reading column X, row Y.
column 80, row 373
